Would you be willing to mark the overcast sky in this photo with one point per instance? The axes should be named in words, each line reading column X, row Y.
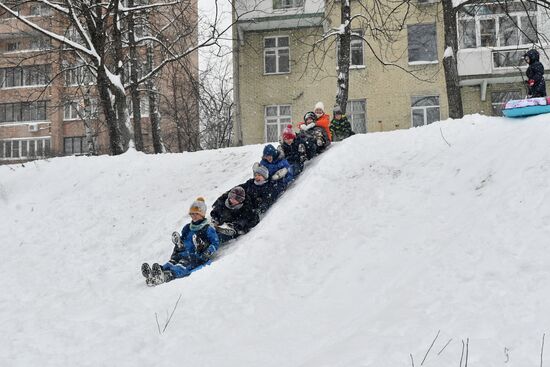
column 207, row 13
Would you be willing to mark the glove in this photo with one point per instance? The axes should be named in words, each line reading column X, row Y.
column 320, row 142
column 200, row 245
column 531, row 82
column 279, row 174
column 209, row 252
column 176, row 240
column 301, row 148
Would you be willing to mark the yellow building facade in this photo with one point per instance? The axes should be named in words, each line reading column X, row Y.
column 279, row 76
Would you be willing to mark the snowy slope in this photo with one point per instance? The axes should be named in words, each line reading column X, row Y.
column 384, row 241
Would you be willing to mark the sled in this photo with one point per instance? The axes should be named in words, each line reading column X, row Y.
column 526, row 107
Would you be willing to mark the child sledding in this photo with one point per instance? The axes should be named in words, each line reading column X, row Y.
column 240, row 209
column 192, row 249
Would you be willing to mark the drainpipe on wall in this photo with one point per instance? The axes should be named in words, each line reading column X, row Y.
column 237, row 37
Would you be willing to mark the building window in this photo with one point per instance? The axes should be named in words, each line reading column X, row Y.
column 357, row 115
column 40, row 44
column 76, row 110
column 424, row 110
column 276, row 119
column 23, row 111
column 71, row 111
column 77, row 145
column 78, row 75
column 24, row 148
column 508, row 58
column 276, row 55
column 12, row 46
column 499, row 99
column 37, row 10
column 356, row 49
column 510, row 23
column 36, row 75
column 287, row 4
column 422, row 43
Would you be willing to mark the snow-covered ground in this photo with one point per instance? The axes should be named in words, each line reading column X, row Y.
column 385, row 242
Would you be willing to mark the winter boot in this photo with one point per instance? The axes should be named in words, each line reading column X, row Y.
column 226, row 229
column 155, row 276
column 159, row 276
column 168, row 276
column 145, row 270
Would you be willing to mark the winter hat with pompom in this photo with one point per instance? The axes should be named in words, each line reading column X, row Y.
column 288, row 133
column 198, row 206
column 319, row 105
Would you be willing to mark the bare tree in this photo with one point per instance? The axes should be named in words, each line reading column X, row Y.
column 216, row 106
column 377, row 23
column 97, row 33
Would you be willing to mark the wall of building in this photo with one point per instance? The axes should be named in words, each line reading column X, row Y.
column 386, row 89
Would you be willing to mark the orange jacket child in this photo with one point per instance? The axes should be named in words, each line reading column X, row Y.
column 323, row 120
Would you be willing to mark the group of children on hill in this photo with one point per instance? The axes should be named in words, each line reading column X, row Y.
column 238, row 210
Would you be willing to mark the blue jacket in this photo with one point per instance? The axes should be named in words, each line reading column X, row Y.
column 276, row 164
column 206, row 240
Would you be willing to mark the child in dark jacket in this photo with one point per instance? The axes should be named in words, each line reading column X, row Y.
column 294, row 150
column 536, row 86
column 340, row 126
column 260, row 190
column 309, row 131
column 193, row 248
column 279, row 168
column 232, row 214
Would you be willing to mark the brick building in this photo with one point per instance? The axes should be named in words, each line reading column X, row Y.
column 49, row 105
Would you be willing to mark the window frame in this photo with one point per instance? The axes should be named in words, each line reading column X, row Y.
column 281, row 121
column 350, row 114
column 478, row 18
column 29, row 146
column 425, row 109
column 83, row 147
column 25, row 76
column 435, row 50
column 296, row 4
column 72, row 107
column 276, row 51
column 12, row 112
column 358, row 35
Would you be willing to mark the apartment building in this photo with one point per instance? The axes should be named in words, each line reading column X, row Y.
column 49, row 105
column 278, row 78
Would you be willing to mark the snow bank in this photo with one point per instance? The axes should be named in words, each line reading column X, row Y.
column 385, row 240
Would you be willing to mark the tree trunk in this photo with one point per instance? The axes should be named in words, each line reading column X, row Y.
column 115, row 141
column 344, row 41
column 454, row 97
column 123, row 119
column 134, row 73
column 88, row 123
column 154, row 114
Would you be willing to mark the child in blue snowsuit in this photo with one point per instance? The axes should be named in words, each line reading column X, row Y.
column 279, row 168
column 193, row 248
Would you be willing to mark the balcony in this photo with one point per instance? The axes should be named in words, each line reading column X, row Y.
column 493, row 65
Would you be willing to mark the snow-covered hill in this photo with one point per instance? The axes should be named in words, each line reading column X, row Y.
column 385, row 241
